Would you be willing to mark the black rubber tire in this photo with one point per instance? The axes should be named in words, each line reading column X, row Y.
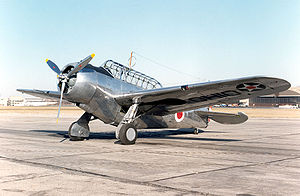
column 128, row 138
column 73, row 138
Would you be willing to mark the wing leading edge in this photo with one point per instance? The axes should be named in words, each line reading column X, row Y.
column 189, row 97
column 42, row 93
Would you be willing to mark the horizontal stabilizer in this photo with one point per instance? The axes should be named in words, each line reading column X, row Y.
column 224, row 118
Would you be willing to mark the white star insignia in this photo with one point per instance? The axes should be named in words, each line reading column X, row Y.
column 251, row 87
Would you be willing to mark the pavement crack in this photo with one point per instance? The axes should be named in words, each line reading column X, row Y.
column 28, row 177
column 222, row 169
column 61, row 156
column 285, row 159
column 202, row 172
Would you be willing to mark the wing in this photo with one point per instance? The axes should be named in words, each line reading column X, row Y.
column 42, row 93
column 189, row 97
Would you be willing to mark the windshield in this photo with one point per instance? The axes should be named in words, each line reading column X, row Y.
column 97, row 69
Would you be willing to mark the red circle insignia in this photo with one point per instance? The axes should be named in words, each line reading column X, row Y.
column 179, row 116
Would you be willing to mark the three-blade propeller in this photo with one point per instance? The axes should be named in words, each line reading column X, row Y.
column 64, row 77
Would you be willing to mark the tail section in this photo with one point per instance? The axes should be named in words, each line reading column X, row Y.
column 190, row 119
column 224, row 118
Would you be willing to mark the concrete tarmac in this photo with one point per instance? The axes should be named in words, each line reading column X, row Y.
column 259, row 157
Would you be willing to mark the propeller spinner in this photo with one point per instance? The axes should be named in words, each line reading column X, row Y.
column 63, row 78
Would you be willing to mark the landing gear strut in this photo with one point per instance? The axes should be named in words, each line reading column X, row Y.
column 80, row 130
column 126, row 131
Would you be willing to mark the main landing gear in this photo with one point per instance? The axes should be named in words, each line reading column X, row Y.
column 126, row 131
column 127, row 134
column 80, row 130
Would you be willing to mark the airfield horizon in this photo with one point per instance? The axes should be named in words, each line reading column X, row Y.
column 251, row 112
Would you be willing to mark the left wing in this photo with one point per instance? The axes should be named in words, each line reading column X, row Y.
column 42, row 93
column 189, row 97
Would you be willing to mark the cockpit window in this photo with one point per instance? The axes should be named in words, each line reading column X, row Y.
column 130, row 75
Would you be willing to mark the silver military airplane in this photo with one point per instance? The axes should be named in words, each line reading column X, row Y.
column 130, row 100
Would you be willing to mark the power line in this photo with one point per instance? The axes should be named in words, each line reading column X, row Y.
column 167, row 67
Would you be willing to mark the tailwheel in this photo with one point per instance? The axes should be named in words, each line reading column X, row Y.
column 77, row 132
column 80, row 129
column 128, row 134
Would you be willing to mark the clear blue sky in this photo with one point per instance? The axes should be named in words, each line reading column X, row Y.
column 211, row 40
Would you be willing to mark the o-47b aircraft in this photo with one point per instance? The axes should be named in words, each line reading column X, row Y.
column 130, row 100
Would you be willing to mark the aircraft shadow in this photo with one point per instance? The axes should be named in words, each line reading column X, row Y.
column 163, row 134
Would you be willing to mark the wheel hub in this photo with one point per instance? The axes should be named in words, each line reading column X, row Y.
column 130, row 134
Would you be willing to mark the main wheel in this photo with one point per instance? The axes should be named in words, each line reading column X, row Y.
column 196, row 131
column 128, row 134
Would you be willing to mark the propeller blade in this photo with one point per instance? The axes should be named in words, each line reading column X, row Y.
column 60, row 101
column 81, row 65
column 53, row 66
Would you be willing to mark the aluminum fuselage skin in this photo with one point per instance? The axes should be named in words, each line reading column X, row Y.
column 94, row 92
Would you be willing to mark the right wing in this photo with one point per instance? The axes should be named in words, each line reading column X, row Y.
column 170, row 100
column 42, row 93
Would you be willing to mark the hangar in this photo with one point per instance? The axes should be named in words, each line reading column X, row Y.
column 289, row 97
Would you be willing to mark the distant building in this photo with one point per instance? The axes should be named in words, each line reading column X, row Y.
column 289, row 97
column 35, row 101
column 32, row 101
column 15, row 101
column 3, row 101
